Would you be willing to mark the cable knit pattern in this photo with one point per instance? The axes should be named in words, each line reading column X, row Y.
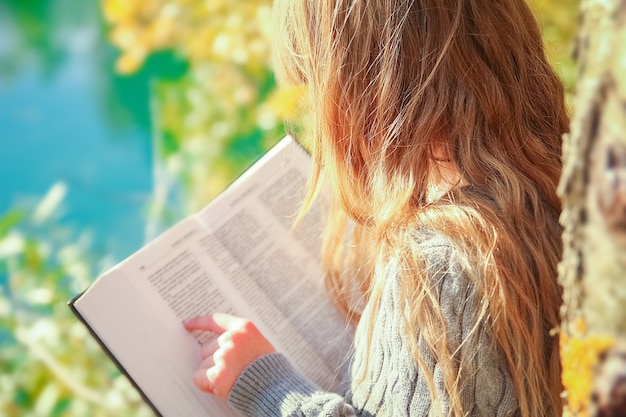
column 386, row 379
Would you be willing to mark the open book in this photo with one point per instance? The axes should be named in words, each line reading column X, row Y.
column 237, row 255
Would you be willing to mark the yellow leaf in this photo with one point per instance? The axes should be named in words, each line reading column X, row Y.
column 286, row 101
column 130, row 61
column 119, row 10
column 579, row 356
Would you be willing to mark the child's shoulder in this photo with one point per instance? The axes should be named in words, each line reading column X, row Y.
column 446, row 262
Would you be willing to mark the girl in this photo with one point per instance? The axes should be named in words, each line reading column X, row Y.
column 438, row 128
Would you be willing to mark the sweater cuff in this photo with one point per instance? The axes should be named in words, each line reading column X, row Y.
column 270, row 386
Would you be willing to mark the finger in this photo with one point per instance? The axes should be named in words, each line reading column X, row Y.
column 218, row 356
column 205, row 323
column 207, row 363
column 208, row 349
column 212, row 375
column 223, row 339
column 201, row 381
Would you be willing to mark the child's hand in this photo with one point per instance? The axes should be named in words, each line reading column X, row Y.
column 239, row 344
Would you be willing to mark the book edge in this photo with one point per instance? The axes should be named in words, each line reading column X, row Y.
column 105, row 349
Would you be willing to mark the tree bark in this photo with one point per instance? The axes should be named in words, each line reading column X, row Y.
column 593, row 192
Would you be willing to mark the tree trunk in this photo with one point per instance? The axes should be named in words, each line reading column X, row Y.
column 593, row 191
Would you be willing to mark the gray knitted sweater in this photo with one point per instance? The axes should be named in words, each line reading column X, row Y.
column 392, row 384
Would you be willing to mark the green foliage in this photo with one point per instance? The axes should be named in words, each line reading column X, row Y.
column 559, row 24
column 51, row 366
column 225, row 111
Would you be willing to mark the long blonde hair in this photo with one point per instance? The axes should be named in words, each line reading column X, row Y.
column 398, row 85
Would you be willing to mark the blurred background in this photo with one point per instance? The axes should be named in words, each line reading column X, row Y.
column 118, row 118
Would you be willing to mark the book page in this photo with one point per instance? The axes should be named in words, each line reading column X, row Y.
column 135, row 310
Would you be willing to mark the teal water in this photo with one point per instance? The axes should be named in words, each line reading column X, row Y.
column 65, row 116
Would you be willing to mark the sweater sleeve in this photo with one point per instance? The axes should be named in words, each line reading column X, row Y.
column 271, row 387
